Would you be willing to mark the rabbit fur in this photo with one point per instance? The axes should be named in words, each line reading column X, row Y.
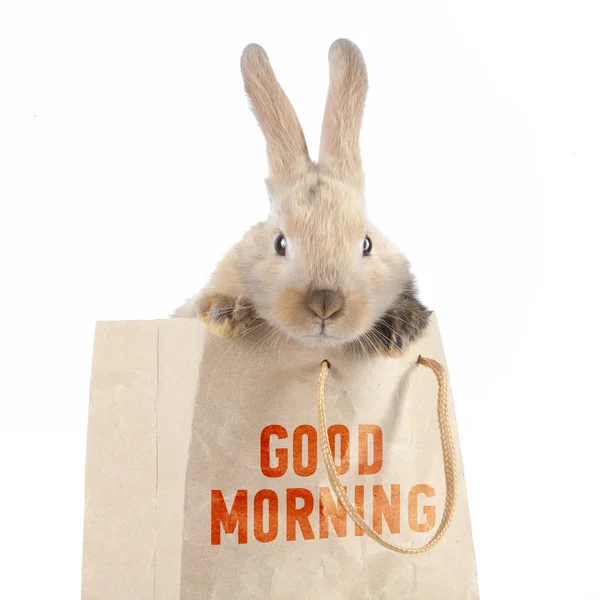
column 326, row 289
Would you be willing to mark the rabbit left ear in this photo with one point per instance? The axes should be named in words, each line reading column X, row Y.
column 286, row 147
column 348, row 84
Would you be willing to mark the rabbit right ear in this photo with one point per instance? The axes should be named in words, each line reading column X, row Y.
column 348, row 85
column 286, row 147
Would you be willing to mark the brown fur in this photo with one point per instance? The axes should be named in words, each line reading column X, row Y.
column 348, row 84
column 286, row 147
column 320, row 209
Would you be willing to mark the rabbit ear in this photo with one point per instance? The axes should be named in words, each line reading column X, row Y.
column 286, row 147
column 348, row 85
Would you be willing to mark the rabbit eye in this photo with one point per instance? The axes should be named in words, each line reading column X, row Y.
column 367, row 246
column 280, row 245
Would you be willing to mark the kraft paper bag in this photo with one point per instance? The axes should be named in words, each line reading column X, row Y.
column 206, row 479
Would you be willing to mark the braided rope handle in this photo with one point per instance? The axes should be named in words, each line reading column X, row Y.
column 447, row 452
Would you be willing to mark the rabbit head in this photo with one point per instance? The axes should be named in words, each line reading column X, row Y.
column 317, row 269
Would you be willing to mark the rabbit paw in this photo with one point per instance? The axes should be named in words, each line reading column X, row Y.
column 226, row 316
column 402, row 325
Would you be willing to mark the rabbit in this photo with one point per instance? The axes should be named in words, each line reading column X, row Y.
column 316, row 270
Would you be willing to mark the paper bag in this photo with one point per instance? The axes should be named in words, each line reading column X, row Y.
column 204, row 478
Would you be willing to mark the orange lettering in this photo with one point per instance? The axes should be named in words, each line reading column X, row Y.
column 230, row 520
column 311, row 435
column 344, row 434
column 359, row 504
column 382, row 507
column 272, row 519
column 299, row 515
column 331, row 509
column 281, row 454
column 364, row 468
column 428, row 511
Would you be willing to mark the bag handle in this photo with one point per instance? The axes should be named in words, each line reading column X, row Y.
column 447, row 452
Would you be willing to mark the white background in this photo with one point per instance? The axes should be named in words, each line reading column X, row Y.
column 129, row 162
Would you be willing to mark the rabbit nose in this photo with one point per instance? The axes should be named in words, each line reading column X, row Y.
column 325, row 303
